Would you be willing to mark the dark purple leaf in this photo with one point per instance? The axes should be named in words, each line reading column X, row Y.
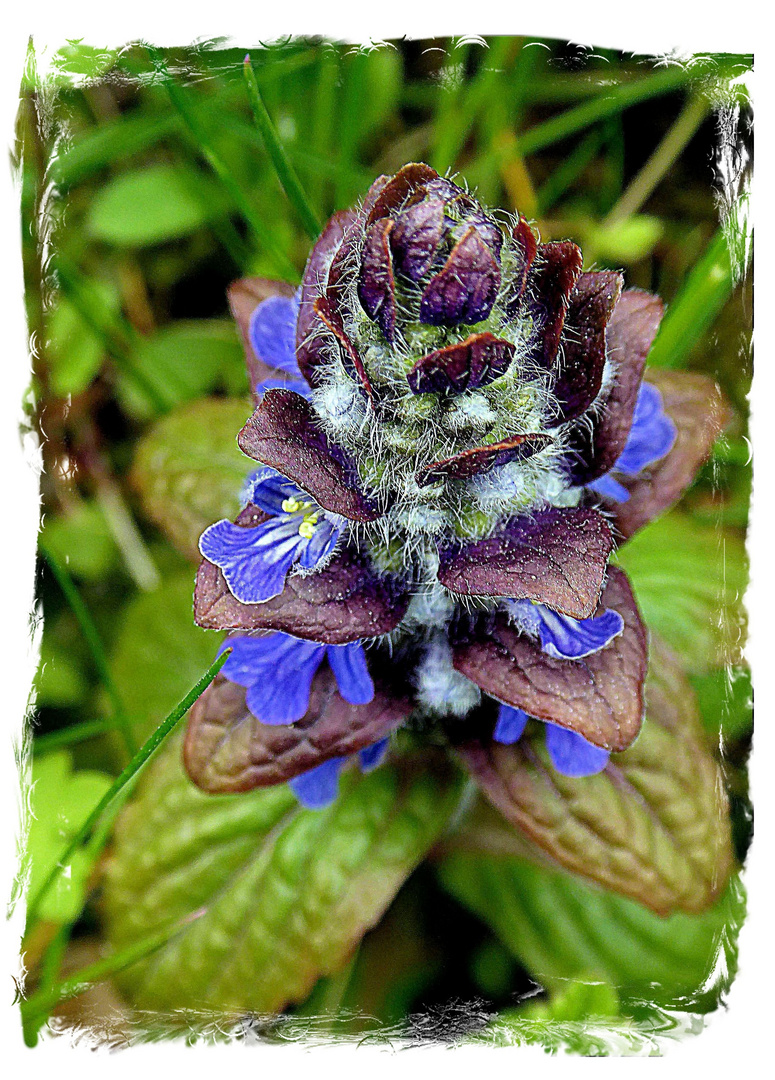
column 283, row 433
column 558, row 266
column 227, row 749
column 580, row 371
column 396, row 191
column 344, row 602
column 527, row 247
column 416, row 236
column 350, row 355
column 465, row 290
column 463, row 366
column 600, row 697
column 483, row 458
column 376, row 285
column 556, row 556
column 313, row 285
column 244, row 297
column 697, row 408
column 630, row 332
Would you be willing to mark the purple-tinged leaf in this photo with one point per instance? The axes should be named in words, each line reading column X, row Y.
column 526, row 247
column 631, row 330
column 464, row 291
column 350, row 356
column 697, row 408
column 416, row 235
column 556, row 556
column 344, row 602
column 376, row 285
column 599, row 697
column 483, row 458
column 227, row 749
column 652, row 825
column 558, row 266
column 398, row 188
column 244, row 297
column 466, row 365
column 283, row 433
column 580, row 369
column 313, row 285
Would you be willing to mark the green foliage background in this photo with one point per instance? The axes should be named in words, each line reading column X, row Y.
column 146, row 187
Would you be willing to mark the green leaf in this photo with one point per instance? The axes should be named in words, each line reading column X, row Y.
column 285, row 894
column 159, row 652
column 152, row 205
column 624, row 242
column 74, row 350
column 653, row 825
column 61, row 802
column 696, row 306
column 189, row 470
column 81, row 540
column 726, row 701
column 689, row 580
column 560, row 928
column 184, row 361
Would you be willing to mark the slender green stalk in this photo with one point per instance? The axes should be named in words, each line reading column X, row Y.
column 286, row 173
column 660, row 162
column 123, row 780
column 93, row 640
column 52, row 740
column 702, row 297
column 607, row 104
column 36, row 1008
column 205, row 147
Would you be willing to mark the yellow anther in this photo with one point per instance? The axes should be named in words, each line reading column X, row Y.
column 291, row 506
column 307, row 529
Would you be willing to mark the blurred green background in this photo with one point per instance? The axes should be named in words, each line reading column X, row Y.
column 146, row 188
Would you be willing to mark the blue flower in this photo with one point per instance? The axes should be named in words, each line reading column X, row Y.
column 318, row 787
column 565, row 639
column 570, row 753
column 277, row 672
column 651, row 436
column 272, row 332
column 256, row 561
column 561, row 636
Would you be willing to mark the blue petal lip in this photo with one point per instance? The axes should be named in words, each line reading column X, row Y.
column 303, row 389
column 609, row 488
column 561, row 636
column 571, row 639
column 318, row 788
column 510, row 726
column 277, row 672
column 272, row 333
column 348, row 663
column 254, row 561
column 374, row 755
column 572, row 755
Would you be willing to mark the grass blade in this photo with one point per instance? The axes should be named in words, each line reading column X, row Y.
column 707, row 289
column 286, row 173
column 600, row 108
column 36, row 1009
column 204, row 146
